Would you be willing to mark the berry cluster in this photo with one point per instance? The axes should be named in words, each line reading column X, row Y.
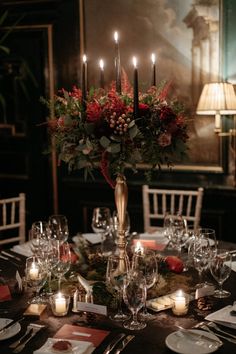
column 119, row 123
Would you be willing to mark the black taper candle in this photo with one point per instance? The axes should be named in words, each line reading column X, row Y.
column 153, row 83
column 117, row 64
column 101, row 65
column 136, row 101
column 84, row 82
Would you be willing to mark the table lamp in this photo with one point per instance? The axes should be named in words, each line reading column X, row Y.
column 217, row 98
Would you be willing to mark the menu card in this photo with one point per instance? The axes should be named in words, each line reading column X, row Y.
column 95, row 336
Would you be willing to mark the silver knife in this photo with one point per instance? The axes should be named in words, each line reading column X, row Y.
column 123, row 344
column 113, row 343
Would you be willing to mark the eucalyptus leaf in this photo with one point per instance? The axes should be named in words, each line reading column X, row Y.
column 133, row 131
column 105, row 142
column 114, row 148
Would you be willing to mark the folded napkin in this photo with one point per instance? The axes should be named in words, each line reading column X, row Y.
column 90, row 237
column 78, row 347
column 223, row 317
column 24, row 249
column 5, row 293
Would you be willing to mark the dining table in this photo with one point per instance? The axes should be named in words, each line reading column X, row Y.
column 150, row 340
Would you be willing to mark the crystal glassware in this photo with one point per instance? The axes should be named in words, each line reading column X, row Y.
column 134, row 294
column 58, row 225
column 220, row 267
column 144, row 261
column 115, row 278
column 36, row 277
column 61, row 260
column 101, row 223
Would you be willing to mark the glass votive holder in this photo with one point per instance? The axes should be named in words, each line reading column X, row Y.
column 59, row 304
column 180, row 303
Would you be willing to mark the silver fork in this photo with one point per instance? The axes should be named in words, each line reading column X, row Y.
column 35, row 329
column 214, row 325
column 21, row 339
column 204, row 326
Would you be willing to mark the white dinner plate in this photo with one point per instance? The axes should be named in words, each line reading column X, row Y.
column 182, row 343
column 11, row 331
column 77, row 347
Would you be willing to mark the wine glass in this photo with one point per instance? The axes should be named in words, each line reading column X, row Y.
column 201, row 252
column 38, row 234
column 144, row 261
column 61, row 260
column 134, row 294
column 101, row 223
column 211, row 235
column 35, row 277
column 58, row 225
column 220, row 266
column 117, row 269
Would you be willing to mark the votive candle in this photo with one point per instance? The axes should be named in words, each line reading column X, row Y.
column 60, row 304
column 34, row 272
column 180, row 303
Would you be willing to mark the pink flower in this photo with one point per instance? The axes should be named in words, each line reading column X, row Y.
column 164, row 139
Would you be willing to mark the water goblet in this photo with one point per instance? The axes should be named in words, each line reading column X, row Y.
column 101, row 223
column 115, row 275
column 61, row 260
column 35, row 277
column 134, row 294
column 220, row 267
column 211, row 235
column 58, row 225
column 144, row 261
column 202, row 254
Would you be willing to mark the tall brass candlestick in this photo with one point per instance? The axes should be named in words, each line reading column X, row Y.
column 121, row 200
column 117, row 64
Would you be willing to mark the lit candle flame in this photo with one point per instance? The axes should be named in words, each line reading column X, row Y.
column 116, row 36
column 101, row 64
column 84, row 58
column 153, row 58
column 139, row 248
column 135, row 62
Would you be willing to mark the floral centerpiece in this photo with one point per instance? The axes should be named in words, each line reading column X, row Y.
column 104, row 133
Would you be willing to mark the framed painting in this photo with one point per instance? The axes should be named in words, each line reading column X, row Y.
column 185, row 37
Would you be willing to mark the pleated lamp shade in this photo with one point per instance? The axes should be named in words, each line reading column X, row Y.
column 217, row 99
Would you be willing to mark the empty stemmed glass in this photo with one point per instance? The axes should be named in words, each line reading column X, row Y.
column 117, row 269
column 220, row 267
column 101, row 223
column 35, row 277
column 134, row 294
column 58, row 225
column 201, row 252
column 61, row 260
column 211, row 235
column 39, row 233
column 144, row 261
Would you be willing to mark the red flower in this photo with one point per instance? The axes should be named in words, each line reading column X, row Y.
column 94, row 112
column 167, row 114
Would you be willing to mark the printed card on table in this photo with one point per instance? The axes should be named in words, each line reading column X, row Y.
column 95, row 336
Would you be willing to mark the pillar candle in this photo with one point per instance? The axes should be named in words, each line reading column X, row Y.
column 153, row 58
column 101, row 65
column 135, row 84
column 117, row 63
column 60, row 304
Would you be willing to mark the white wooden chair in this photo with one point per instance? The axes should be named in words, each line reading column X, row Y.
column 156, row 202
column 12, row 220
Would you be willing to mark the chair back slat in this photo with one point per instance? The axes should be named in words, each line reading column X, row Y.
column 156, row 202
column 12, row 217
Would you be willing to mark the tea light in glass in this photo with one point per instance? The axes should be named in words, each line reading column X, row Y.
column 180, row 302
column 34, row 271
column 60, row 304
